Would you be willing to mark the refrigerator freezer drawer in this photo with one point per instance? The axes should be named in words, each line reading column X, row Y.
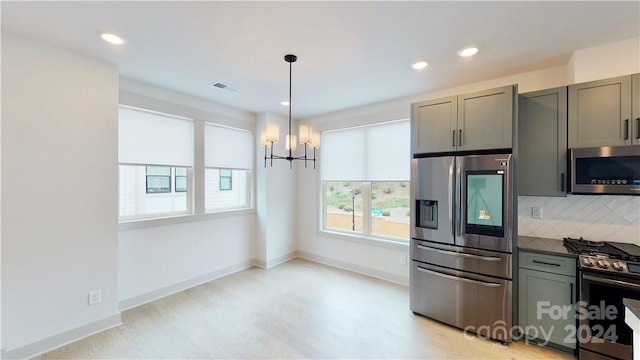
column 485, row 262
column 475, row 303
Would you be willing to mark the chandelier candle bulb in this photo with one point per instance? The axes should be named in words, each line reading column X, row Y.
column 305, row 134
column 315, row 140
column 294, row 143
column 273, row 133
column 263, row 138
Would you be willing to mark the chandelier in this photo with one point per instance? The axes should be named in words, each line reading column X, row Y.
column 306, row 136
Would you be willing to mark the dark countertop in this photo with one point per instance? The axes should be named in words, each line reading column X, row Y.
column 544, row 246
column 633, row 305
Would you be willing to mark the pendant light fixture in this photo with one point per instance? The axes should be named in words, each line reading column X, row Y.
column 306, row 136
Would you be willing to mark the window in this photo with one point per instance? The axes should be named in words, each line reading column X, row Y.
column 181, row 179
column 226, row 179
column 365, row 178
column 228, row 163
column 153, row 149
column 158, row 179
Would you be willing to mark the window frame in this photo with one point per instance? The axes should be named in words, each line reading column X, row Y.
column 367, row 221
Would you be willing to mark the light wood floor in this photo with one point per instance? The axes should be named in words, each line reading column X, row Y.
column 299, row 309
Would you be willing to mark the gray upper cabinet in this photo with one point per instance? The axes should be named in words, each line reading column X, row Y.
column 542, row 143
column 432, row 123
column 485, row 119
column 477, row 121
column 600, row 113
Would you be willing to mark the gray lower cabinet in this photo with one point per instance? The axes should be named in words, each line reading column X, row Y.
column 542, row 143
column 600, row 113
column 546, row 298
column 475, row 121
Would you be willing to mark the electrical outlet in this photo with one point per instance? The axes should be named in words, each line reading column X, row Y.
column 536, row 212
column 403, row 260
column 95, row 297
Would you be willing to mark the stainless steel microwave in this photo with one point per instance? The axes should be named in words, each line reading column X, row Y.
column 606, row 170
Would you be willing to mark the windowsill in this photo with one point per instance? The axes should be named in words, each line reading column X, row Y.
column 180, row 219
column 366, row 240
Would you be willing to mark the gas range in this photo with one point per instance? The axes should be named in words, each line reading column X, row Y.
column 607, row 257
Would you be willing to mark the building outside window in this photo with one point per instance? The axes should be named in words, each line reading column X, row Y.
column 158, row 179
column 365, row 180
column 226, row 179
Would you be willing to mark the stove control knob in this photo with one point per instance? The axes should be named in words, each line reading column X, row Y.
column 587, row 261
column 603, row 264
column 618, row 266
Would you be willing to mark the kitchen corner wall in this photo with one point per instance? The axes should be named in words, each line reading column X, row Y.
column 594, row 217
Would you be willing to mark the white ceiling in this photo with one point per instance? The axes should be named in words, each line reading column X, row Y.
column 349, row 53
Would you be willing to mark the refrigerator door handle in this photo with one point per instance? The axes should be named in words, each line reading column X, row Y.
column 451, row 277
column 454, row 253
column 457, row 196
column 452, row 198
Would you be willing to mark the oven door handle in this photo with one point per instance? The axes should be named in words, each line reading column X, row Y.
column 455, row 253
column 610, row 281
column 452, row 277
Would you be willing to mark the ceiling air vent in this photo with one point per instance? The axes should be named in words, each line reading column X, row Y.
column 222, row 86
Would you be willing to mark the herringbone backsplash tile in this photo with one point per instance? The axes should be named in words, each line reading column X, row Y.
column 594, row 217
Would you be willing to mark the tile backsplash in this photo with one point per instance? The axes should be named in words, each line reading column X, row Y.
column 594, row 217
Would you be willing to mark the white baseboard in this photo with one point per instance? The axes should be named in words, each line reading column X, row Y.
column 136, row 301
column 281, row 259
column 62, row 339
column 383, row 275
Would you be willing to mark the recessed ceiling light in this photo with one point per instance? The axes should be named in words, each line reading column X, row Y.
column 284, row 103
column 419, row 65
column 112, row 39
column 466, row 52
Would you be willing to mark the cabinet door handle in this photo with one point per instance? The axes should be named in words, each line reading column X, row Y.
column 453, row 139
column 571, row 293
column 460, row 137
column 626, row 129
column 544, row 263
column 562, row 182
column 638, row 128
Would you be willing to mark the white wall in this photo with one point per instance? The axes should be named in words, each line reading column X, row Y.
column 170, row 255
column 382, row 259
column 605, row 61
column 59, row 194
column 276, row 189
column 159, row 260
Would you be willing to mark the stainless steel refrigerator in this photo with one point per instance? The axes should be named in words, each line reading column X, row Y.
column 462, row 242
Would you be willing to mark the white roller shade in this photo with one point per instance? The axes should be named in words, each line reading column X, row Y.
column 388, row 152
column 342, row 155
column 226, row 147
column 371, row 153
column 151, row 138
